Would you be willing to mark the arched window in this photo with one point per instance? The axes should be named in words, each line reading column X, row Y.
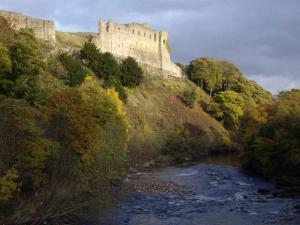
column 154, row 37
column 139, row 33
column 132, row 31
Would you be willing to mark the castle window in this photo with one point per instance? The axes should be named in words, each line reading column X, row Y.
column 144, row 34
column 150, row 36
column 132, row 31
column 119, row 28
column 164, row 41
column 154, row 37
column 139, row 33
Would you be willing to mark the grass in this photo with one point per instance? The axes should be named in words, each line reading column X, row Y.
column 71, row 40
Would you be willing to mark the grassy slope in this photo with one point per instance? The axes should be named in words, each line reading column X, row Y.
column 70, row 40
column 156, row 113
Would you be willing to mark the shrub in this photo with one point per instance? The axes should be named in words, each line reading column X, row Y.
column 131, row 73
column 189, row 98
column 115, row 84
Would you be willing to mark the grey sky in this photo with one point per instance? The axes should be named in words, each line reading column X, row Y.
column 262, row 37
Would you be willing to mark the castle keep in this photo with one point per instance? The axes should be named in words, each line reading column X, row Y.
column 149, row 47
column 43, row 29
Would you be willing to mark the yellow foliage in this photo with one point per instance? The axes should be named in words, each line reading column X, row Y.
column 89, row 78
column 9, row 185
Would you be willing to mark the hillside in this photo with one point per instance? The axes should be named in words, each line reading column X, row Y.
column 158, row 117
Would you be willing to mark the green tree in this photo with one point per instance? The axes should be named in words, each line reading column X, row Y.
column 205, row 72
column 5, row 71
column 26, row 54
column 91, row 56
column 228, row 107
column 76, row 72
column 109, row 67
column 131, row 73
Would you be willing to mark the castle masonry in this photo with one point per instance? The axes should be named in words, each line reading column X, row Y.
column 43, row 29
column 147, row 46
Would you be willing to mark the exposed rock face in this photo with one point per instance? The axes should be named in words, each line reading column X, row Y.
column 139, row 41
column 44, row 29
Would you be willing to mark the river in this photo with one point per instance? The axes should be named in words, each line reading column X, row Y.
column 211, row 192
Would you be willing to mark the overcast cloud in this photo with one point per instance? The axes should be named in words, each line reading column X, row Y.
column 262, row 37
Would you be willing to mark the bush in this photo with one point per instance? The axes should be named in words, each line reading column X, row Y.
column 115, row 83
column 131, row 73
column 189, row 98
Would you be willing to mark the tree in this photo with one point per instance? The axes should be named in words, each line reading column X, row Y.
column 131, row 73
column 23, row 149
column 26, row 55
column 109, row 67
column 205, row 73
column 228, row 107
column 272, row 148
column 5, row 61
column 5, row 71
column 76, row 72
column 91, row 56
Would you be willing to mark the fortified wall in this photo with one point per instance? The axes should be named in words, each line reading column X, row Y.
column 43, row 29
column 149, row 47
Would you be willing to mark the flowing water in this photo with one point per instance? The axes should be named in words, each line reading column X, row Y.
column 212, row 192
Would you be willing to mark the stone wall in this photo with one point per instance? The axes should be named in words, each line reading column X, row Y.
column 147, row 46
column 44, row 29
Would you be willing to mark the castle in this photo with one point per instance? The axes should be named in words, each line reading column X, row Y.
column 139, row 41
column 149, row 47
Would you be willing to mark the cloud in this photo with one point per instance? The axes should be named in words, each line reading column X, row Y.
column 260, row 36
